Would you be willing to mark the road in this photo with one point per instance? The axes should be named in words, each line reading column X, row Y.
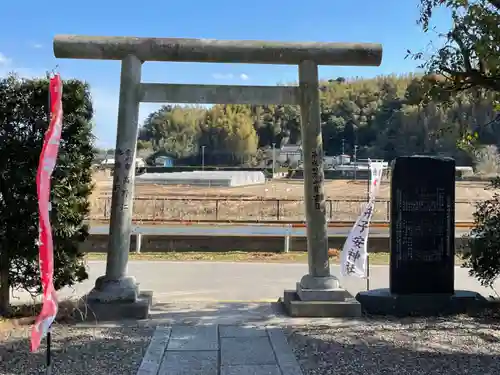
column 225, row 281
column 243, row 230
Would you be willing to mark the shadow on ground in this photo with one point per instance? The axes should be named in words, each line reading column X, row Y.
column 76, row 350
column 323, row 346
column 255, row 313
column 114, row 347
column 417, row 346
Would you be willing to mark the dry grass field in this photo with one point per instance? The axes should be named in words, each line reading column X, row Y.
column 279, row 199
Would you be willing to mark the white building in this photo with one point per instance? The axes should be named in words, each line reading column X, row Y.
column 289, row 155
column 110, row 162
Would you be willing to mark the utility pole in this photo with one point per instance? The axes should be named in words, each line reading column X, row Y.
column 355, row 160
column 343, row 152
column 274, row 157
column 203, row 158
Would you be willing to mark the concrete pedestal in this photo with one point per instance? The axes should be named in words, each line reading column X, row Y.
column 115, row 300
column 320, row 303
column 382, row 302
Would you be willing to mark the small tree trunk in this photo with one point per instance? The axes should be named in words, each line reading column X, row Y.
column 4, row 283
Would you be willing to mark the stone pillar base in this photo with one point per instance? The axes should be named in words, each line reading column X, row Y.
column 320, row 297
column 106, row 290
column 114, row 300
column 319, row 283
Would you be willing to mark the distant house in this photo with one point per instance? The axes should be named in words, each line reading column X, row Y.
column 289, row 155
column 164, row 161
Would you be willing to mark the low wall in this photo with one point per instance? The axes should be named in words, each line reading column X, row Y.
column 98, row 243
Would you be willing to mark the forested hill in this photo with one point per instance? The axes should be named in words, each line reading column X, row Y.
column 385, row 116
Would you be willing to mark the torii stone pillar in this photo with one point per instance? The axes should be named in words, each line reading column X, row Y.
column 318, row 287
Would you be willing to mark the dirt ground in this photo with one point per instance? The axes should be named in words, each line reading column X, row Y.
column 260, row 202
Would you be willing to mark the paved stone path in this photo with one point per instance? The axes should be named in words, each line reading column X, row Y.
column 219, row 350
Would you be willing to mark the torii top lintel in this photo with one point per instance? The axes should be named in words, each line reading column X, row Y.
column 216, row 51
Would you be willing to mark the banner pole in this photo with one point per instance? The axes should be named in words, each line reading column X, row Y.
column 368, row 272
column 368, row 186
column 48, row 368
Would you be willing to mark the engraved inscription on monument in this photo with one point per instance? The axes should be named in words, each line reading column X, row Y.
column 422, row 225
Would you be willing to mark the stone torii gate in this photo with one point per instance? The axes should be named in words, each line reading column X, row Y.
column 318, row 290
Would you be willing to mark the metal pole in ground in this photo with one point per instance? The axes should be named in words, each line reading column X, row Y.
column 274, row 158
column 203, row 158
column 343, row 152
column 368, row 272
column 368, row 186
column 48, row 353
column 355, row 161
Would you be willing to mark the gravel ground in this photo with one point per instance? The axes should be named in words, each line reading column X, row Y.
column 76, row 350
column 410, row 346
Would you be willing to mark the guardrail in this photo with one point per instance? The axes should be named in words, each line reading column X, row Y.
column 217, row 230
column 161, row 209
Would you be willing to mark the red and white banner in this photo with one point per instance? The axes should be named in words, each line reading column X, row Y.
column 46, row 165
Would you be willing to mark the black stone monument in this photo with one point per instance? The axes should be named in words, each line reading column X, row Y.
column 422, row 226
column 422, row 242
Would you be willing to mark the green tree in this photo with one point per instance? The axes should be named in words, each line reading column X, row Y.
column 144, row 145
column 470, row 56
column 384, row 116
column 23, row 122
column 469, row 61
column 482, row 256
column 174, row 130
column 229, row 135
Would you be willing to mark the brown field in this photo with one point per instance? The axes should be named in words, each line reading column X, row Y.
column 276, row 200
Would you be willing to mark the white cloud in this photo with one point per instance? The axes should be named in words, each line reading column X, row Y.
column 227, row 76
column 26, row 73
column 7, row 66
column 36, row 45
column 4, row 60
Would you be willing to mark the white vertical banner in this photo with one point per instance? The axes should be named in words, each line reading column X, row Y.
column 355, row 250
column 376, row 171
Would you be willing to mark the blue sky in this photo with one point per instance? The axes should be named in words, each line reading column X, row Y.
column 30, row 25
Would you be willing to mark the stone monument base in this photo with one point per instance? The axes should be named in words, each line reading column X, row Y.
column 329, row 303
column 114, row 300
column 98, row 311
column 382, row 302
